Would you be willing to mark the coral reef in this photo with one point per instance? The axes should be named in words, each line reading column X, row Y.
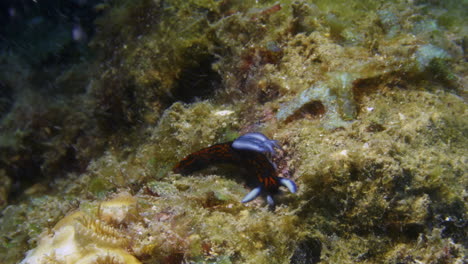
column 367, row 98
column 163, row 224
column 70, row 239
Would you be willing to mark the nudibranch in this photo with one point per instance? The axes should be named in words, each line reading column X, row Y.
column 253, row 151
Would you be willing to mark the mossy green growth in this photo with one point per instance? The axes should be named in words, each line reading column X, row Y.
column 99, row 186
column 4, row 189
column 385, row 184
column 164, row 189
column 231, row 230
column 205, row 221
column 442, row 70
column 392, row 178
column 184, row 129
column 160, row 57
column 21, row 224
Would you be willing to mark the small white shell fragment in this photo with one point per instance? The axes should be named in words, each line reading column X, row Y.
column 223, row 113
column 401, row 116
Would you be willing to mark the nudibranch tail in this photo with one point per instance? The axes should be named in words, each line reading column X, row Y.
column 216, row 154
column 251, row 151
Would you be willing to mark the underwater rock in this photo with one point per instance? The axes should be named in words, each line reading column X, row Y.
column 336, row 97
column 307, row 252
column 425, row 54
column 389, row 22
column 386, row 189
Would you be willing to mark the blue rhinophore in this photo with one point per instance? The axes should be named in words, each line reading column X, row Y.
column 252, row 151
column 256, row 142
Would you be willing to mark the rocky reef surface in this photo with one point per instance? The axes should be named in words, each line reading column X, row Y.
column 367, row 98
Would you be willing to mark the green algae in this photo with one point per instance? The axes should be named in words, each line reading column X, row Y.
column 4, row 189
column 377, row 147
column 360, row 175
column 184, row 129
column 98, row 187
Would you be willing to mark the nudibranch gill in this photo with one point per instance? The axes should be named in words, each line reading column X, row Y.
column 253, row 151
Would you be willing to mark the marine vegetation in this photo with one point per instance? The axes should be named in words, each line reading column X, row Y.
column 107, row 142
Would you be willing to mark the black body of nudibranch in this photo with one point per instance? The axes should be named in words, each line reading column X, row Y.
column 251, row 151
